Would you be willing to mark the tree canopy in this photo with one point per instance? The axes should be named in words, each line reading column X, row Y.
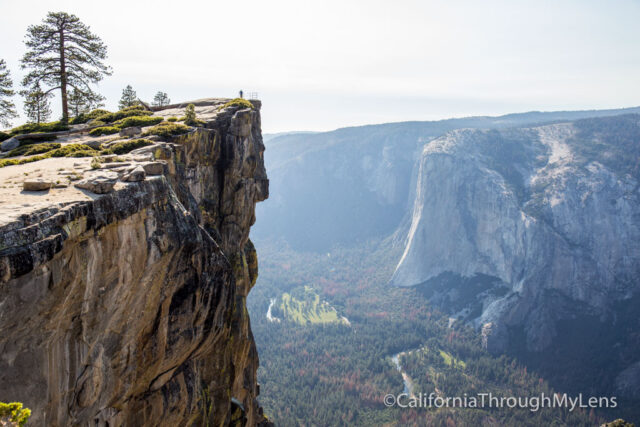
column 129, row 98
column 161, row 99
column 36, row 104
column 62, row 53
column 7, row 107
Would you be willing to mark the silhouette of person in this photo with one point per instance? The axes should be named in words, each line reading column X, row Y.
column 241, row 93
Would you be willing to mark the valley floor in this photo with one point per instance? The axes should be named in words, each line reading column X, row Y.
column 318, row 370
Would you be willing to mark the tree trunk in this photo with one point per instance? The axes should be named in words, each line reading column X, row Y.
column 63, row 80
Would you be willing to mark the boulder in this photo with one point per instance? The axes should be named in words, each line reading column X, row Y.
column 96, row 145
column 36, row 185
column 154, row 168
column 135, row 175
column 10, row 144
column 131, row 131
column 100, row 183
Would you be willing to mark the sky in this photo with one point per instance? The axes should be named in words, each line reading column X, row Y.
column 321, row 65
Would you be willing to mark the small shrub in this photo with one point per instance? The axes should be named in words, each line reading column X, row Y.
column 190, row 118
column 166, row 129
column 8, row 162
column 42, row 127
column 83, row 153
column 135, row 110
column 15, row 412
column 35, row 138
column 190, row 114
column 29, row 150
column 95, row 122
column 95, row 163
column 105, row 130
column 71, row 149
column 170, row 119
column 238, row 102
column 85, row 117
column 127, row 146
column 138, row 121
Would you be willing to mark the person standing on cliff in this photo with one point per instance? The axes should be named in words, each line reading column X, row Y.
column 241, row 93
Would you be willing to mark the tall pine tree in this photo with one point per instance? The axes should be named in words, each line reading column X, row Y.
column 7, row 107
column 161, row 99
column 62, row 53
column 36, row 104
column 128, row 98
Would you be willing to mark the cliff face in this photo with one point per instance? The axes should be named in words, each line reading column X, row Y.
column 533, row 226
column 128, row 308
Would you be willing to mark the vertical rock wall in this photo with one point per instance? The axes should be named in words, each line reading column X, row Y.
column 130, row 309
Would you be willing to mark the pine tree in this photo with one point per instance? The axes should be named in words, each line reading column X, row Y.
column 7, row 107
column 190, row 115
column 161, row 99
column 63, row 52
column 129, row 98
column 36, row 104
column 82, row 102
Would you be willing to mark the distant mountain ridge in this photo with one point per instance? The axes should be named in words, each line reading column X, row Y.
column 355, row 183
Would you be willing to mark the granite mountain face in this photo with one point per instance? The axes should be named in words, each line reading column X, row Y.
column 354, row 184
column 124, row 299
column 524, row 226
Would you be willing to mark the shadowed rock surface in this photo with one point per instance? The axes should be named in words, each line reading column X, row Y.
column 129, row 307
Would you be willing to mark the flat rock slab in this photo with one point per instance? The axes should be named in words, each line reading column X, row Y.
column 135, row 175
column 36, row 185
column 154, row 168
column 100, row 183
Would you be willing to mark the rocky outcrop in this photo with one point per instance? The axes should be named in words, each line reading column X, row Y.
column 129, row 308
column 551, row 213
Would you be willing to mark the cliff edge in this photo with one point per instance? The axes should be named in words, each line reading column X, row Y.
column 123, row 296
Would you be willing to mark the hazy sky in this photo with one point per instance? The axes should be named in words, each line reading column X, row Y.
column 320, row 65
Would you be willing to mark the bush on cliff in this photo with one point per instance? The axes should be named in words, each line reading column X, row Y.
column 190, row 118
column 105, row 130
column 138, row 121
column 238, row 102
column 4, row 136
column 85, row 117
column 31, row 149
column 166, row 129
column 14, row 412
column 134, row 110
column 38, row 127
column 70, row 150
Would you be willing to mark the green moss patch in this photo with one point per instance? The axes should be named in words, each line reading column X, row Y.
column 105, row 130
column 138, row 121
column 166, row 129
column 71, row 150
column 84, row 118
column 32, row 149
column 42, row 127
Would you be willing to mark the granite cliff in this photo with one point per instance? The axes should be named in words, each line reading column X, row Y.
column 123, row 297
column 520, row 230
